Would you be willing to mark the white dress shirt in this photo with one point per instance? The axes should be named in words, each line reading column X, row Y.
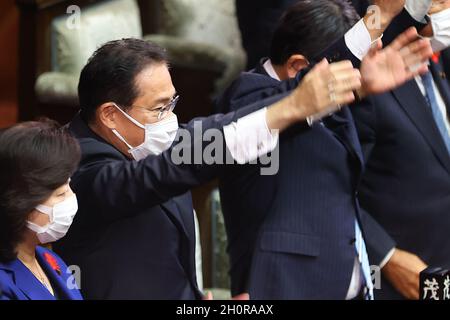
column 268, row 67
column 249, row 137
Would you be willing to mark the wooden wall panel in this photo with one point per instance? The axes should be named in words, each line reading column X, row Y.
column 9, row 28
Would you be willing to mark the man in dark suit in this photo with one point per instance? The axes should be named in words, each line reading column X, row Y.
column 287, row 239
column 405, row 135
column 258, row 20
column 133, row 236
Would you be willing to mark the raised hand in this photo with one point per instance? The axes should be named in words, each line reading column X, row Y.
column 385, row 69
column 323, row 90
column 328, row 86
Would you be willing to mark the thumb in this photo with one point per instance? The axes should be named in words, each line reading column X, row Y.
column 376, row 46
column 322, row 65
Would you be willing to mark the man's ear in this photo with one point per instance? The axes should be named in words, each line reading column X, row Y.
column 295, row 64
column 107, row 114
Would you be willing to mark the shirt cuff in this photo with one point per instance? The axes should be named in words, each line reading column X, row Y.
column 358, row 40
column 250, row 138
column 387, row 258
column 418, row 9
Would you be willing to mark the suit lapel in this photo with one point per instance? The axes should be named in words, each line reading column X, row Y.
column 184, row 220
column 415, row 106
column 28, row 284
column 342, row 127
column 59, row 280
column 175, row 215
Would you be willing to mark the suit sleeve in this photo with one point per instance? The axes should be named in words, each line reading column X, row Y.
column 119, row 185
column 399, row 25
column 339, row 50
column 379, row 243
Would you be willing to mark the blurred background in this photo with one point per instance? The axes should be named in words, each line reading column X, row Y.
column 9, row 30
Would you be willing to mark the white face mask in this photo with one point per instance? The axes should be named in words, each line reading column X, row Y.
column 159, row 136
column 440, row 23
column 61, row 217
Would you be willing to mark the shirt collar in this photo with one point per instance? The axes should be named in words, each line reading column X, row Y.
column 270, row 70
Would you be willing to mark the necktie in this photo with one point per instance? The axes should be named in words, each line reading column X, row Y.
column 427, row 80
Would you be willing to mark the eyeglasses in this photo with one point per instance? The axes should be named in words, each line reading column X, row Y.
column 163, row 111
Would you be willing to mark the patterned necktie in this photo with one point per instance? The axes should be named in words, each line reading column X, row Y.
column 437, row 114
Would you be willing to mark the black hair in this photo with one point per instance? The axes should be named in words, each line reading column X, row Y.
column 109, row 75
column 36, row 158
column 309, row 27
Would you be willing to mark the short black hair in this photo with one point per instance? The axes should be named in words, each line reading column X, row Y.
column 309, row 27
column 36, row 158
column 111, row 71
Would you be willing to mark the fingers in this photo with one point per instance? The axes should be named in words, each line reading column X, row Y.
column 419, row 49
column 347, row 81
column 411, row 47
column 341, row 66
column 404, row 39
column 322, row 65
column 327, row 87
column 415, row 56
column 376, row 47
column 342, row 81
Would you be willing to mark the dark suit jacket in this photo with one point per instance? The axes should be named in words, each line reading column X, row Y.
column 18, row 283
column 406, row 186
column 133, row 236
column 445, row 62
column 291, row 236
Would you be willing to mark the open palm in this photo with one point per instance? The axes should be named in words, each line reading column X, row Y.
column 385, row 69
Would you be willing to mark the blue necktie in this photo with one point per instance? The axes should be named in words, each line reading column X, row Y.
column 361, row 250
column 437, row 114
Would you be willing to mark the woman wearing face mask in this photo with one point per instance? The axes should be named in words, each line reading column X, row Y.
column 37, row 207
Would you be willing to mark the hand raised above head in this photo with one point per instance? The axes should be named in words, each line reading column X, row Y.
column 386, row 69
